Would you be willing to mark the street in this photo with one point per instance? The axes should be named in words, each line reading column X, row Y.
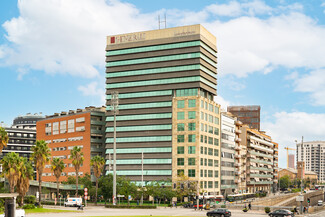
column 101, row 211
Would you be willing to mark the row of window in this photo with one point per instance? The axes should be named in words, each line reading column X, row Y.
column 65, row 148
column 190, row 138
column 23, row 148
column 20, row 141
column 161, row 82
column 209, row 184
column 142, row 94
column 24, row 135
column 145, row 105
column 140, row 128
column 140, row 172
column 190, row 172
column 209, row 140
column 187, row 92
column 190, row 127
column 227, row 173
column 190, row 115
column 139, row 161
column 181, row 149
column 209, row 129
column 139, row 117
column 209, row 162
column 210, row 107
column 191, row 103
column 210, row 118
column 181, row 161
column 140, row 150
column 71, row 139
column 209, row 151
column 209, row 173
column 140, row 139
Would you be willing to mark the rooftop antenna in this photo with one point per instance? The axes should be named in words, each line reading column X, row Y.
column 162, row 21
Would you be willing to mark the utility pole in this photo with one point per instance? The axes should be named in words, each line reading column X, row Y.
column 114, row 108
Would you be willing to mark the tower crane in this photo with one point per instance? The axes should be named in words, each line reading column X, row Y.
column 287, row 148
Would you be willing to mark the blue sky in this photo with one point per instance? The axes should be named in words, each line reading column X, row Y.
column 270, row 53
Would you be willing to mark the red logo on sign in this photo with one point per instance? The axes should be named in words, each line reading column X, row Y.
column 112, row 40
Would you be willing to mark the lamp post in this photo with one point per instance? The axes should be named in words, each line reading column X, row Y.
column 114, row 108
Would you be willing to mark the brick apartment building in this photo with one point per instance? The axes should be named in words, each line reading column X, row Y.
column 62, row 131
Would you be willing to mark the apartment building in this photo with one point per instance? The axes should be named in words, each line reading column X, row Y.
column 228, row 153
column 312, row 153
column 166, row 80
column 22, row 135
column 240, row 157
column 65, row 130
column 249, row 115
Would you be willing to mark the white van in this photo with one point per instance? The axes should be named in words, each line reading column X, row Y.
column 320, row 203
column 73, row 201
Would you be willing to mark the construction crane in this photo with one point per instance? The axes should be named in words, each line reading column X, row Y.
column 287, row 148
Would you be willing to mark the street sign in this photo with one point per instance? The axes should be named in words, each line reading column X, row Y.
column 85, row 189
column 85, row 197
column 86, row 193
column 300, row 198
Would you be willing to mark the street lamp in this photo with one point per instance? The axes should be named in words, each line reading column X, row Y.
column 114, row 108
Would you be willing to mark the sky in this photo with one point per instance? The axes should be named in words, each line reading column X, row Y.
column 270, row 53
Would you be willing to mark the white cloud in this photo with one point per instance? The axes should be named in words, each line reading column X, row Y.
column 93, row 89
column 222, row 102
column 59, row 36
column 314, row 84
column 288, row 127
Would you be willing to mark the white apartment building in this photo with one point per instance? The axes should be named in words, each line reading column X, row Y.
column 313, row 154
column 228, row 153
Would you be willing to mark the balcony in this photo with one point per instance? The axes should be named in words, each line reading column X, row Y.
column 261, row 161
column 238, row 139
column 261, row 182
column 261, row 148
column 93, row 122
column 260, row 175
column 96, row 140
column 238, row 172
column 264, row 142
column 238, row 131
column 237, row 156
column 238, row 164
column 237, row 148
column 260, row 154
column 261, row 168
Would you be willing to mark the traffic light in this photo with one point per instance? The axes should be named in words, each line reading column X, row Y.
column 308, row 200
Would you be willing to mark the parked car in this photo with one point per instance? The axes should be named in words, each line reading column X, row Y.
column 320, row 203
column 219, row 212
column 281, row 213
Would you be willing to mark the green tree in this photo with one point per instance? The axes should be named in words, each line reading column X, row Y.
column 41, row 155
column 185, row 187
column 125, row 187
column 26, row 173
column 57, row 166
column 3, row 138
column 97, row 163
column 77, row 159
column 285, row 182
column 10, row 169
column 105, row 184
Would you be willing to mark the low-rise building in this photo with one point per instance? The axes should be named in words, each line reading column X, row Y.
column 293, row 174
column 65, row 130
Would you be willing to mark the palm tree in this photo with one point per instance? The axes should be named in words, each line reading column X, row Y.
column 40, row 156
column 3, row 138
column 77, row 159
column 57, row 166
column 10, row 169
column 26, row 173
column 98, row 163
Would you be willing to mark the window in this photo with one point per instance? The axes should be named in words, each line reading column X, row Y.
column 201, row 161
column 210, row 152
column 180, row 161
column 191, row 138
column 216, row 163
column 216, row 184
column 210, row 141
column 191, row 126
column 205, row 139
column 216, row 174
column 202, row 116
column 180, row 138
column 180, row 172
column 201, row 150
column 55, row 128
column 210, row 184
column 202, row 138
column 216, row 152
column 201, row 173
column 191, row 149
column 191, row 103
column 202, row 104
column 216, row 110
column 191, row 115
column 180, row 116
column 210, row 162
column 210, row 129
column 205, row 174
column 180, row 150
column 205, row 150
column 205, row 162
column 180, row 127
column 180, row 104
column 183, row 92
column 216, row 120
column 216, row 141
column 202, row 127
column 216, row 131
column 191, row 173
column 191, row 161
column 71, row 126
column 210, row 173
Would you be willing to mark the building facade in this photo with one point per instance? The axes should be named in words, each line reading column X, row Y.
column 291, row 161
column 22, row 135
column 249, row 115
column 228, row 153
column 65, row 130
column 166, row 80
column 293, row 174
column 313, row 155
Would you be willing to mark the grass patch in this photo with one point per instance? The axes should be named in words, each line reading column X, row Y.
column 43, row 210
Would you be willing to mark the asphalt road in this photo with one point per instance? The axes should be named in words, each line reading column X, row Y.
column 101, row 211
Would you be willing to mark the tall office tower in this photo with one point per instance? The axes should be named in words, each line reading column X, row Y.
column 228, row 136
column 292, row 161
column 313, row 156
column 249, row 115
column 63, row 131
column 22, row 135
column 166, row 80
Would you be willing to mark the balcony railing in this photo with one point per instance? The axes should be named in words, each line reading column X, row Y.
column 261, row 148
column 261, row 161
column 260, row 154
column 261, row 168
column 261, row 141
column 261, row 183
column 260, row 175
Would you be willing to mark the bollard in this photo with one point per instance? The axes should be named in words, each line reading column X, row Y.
column 10, row 208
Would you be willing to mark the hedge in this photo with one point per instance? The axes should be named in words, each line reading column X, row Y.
column 131, row 207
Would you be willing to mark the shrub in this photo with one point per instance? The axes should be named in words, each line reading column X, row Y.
column 29, row 206
column 131, row 207
column 267, row 209
column 223, row 206
column 30, row 199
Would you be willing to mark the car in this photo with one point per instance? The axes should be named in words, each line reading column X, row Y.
column 320, row 203
column 220, row 212
column 281, row 213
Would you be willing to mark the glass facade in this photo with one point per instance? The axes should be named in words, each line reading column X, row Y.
column 139, row 150
column 140, row 139
column 140, row 128
column 139, row 117
column 142, row 94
